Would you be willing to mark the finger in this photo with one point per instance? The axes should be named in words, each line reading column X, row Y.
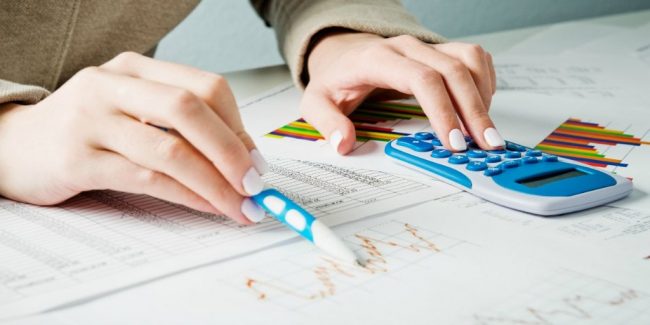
column 213, row 89
column 390, row 70
column 328, row 119
column 169, row 155
column 473, row 57
column 178, row 109
column 493, row 74
column 120, row 174
column 462, row 89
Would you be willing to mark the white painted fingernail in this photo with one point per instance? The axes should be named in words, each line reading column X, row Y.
column 335, row 139
column 252, row 182
column 493, row 138
column 457, row 140
column 252, row 211
column 259, row 162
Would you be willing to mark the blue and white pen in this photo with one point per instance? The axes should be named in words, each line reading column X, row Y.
column 302, row 222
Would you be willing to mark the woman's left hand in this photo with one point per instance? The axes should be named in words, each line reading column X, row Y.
column 453, row 82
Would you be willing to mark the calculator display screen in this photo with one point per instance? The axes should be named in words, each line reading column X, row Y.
column 538, row 181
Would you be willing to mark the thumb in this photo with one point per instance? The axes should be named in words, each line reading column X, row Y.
column 328, row 119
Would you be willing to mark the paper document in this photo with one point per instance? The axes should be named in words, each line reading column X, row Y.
column 104, row 241
column 632, row 43
column 433, row 263
column 559, row 38
column 577, row 76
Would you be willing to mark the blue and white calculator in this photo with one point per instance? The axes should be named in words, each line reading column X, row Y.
column 516, row 177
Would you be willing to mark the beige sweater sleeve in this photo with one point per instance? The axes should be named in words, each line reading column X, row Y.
column 25, row 94
column 296, row 22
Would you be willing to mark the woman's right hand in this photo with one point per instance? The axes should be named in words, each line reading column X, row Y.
column 96, row 132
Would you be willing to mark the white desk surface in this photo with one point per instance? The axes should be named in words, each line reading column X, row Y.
column 247, row 83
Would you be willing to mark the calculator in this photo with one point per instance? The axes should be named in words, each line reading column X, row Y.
column 516, row 177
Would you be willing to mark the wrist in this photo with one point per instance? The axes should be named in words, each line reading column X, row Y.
column 7, row 108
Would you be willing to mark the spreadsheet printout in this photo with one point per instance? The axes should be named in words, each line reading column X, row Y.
column 104, row 240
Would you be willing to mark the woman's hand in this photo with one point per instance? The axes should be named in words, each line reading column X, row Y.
column 453, row 83
column 96, row 132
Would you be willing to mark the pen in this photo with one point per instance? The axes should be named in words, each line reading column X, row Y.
column 295, row 217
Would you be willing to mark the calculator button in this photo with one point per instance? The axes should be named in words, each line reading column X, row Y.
column 476, row 153
column 497, row 151
column 441, row 153
column 530, row 160
column 423, row 135
column 476, row 166
column 513, row 154
column 492, row 158
column 492, row 171
column 515, row 147
column 510, row 164
column 533, row 153
column 415, row 144
column 550, row 158
column 435, row 140
column 458, row 159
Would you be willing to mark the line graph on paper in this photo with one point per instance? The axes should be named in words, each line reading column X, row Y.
column 568, row 297
column 306, row 278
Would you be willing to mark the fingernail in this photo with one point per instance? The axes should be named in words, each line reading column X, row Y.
column 493, row 138
column 259, row 162
column 457, row 140
column 252, row 211
column 252, row 182
column 335, row 139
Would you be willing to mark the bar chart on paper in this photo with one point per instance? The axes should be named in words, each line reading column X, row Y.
column 274, row 121
column 591, row 143
column 378, row 121
column 620, row 147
